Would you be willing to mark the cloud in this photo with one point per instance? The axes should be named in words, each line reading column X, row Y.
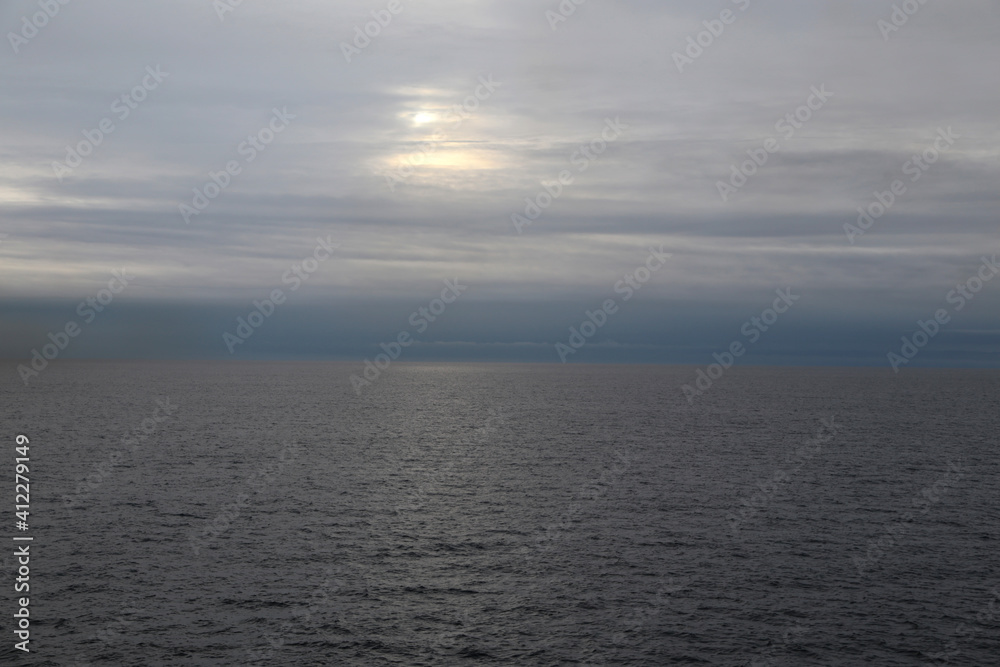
column 355, row 122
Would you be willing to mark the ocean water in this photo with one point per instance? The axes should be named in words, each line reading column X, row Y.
column 491, row 514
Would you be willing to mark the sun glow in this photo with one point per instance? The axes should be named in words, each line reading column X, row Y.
column 424, row 117
column 442, row 156
column 434, row 150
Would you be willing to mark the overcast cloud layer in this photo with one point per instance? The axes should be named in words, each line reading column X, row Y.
column 551, row 87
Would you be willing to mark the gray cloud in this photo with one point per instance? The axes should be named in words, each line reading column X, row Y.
column 656, row 184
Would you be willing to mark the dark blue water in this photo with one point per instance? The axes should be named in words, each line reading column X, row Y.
column 469, row 514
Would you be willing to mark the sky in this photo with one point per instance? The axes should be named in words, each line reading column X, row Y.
column 537, row 155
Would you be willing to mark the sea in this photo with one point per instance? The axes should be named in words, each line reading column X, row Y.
column 277, row 513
